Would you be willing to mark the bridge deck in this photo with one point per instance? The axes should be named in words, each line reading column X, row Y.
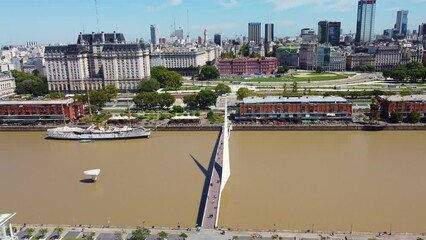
column 212, row 202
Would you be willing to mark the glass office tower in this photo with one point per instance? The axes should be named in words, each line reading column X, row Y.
column 365, row 21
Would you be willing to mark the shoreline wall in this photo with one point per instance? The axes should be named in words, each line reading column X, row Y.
column 295, row 127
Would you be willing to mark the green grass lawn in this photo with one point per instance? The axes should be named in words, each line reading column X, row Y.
column 192, row 88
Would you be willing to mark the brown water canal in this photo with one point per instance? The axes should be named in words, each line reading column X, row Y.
column 282, row 180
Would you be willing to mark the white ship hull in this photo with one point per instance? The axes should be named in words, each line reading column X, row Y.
column 67, row 133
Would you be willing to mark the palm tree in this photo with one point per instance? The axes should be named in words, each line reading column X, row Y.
column 42, row 232
column 29, row 232
column 58, row 231
column 140, row 233
column 163, row 235
column 183, row 235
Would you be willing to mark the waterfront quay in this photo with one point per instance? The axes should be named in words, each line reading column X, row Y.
column 111, row 233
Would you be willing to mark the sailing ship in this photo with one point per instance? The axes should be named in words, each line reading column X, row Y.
column 98, row 133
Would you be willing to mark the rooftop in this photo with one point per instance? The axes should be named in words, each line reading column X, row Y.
column 36, row 102
column 303, row 99
column 410, row 98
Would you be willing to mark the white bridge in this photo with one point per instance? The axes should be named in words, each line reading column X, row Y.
column 220, row 174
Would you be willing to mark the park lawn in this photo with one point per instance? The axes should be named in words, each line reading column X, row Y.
column 192, row 88
column 287, row 79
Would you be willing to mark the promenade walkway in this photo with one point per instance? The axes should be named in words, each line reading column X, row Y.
column 212, row 202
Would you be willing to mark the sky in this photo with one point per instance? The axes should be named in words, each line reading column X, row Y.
column 60, row 21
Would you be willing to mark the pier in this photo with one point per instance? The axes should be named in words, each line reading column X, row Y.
column 219, row 175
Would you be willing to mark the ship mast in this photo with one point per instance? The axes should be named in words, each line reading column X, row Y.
column 63, row 115
column 128, row 108
column 90, row 107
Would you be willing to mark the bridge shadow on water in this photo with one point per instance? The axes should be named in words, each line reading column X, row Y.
column 207, row 173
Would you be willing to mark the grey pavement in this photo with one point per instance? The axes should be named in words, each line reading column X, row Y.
column 212, row 234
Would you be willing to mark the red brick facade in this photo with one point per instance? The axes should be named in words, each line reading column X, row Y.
column 294, row 109
column 40, row 110
column 248, row 66
column 403, row 105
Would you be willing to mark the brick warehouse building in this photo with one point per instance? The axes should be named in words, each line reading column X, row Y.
column 305, row 108
column 402, row 104
column 248, row 66
column 32, row 111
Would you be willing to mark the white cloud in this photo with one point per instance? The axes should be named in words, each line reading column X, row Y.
column 335, row 5
column 228, row 3
column 175, row 2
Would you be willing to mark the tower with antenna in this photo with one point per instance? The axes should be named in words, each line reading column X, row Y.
column 97, row 14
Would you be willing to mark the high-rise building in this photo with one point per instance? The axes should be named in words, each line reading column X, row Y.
column 179, row 33
column 322, row 31
column 365, row 21
column 269, row 32
column 401, row 22
column 205, row 36
column 329, row 32
column 154, row 31
column 333, row 33
column 422, row 30
column 254, row 32
column 218, row 39
column 307, row 34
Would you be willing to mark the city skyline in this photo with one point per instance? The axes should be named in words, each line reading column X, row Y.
column 48, row 21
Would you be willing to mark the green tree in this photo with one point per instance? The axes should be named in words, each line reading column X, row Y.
column 371, row 68
column 398, row 75
column 377, row 92
column 283, row 69
column 55, row 95
column 244, row 50
column 208, row 72
column 146, row 100
column 414, row 75
column 98, row 99
column 178, row 109
column 91, row 236
column 243, row 93
column 396, row 117
column 28, row 83
column 285, row 88
column 111, row 91
column 319, row 70
column 149, row 85
column 172, row 80
column 167, row 79
column 387, row 73
column 58, row 231
column 222, row 88
column 118, row 235
column 165, row 100
column 255, row 55
column 190, row 100
column 270, row 54
column 42, row 232
column 228, row 55
column 363, row 68
column 140, row 233
column 157, row 73
column 163, row 235
column 294, row 87
column 183, row 236
column 29, row 232
column 255, row 236
column 275, row 237
column 374, row 110
column 413, row 117
column 206, row 98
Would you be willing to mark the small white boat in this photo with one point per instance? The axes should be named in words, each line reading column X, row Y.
column 86, row 141
column 93, row 174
